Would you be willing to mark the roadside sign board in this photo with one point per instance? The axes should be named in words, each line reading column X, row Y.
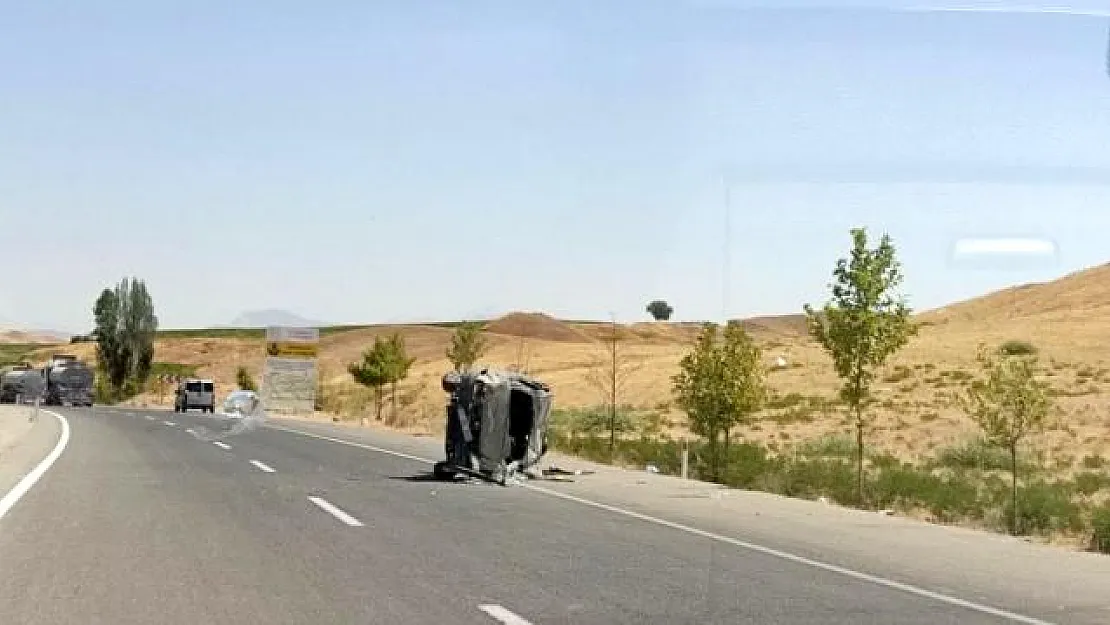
column 289, row 380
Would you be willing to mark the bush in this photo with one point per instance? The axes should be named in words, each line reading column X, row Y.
column 823, row 467
column 1045, row 507
column 1093, row 462
column 746, row 463
column 979, row 455
column 1090, row 482
column 1100, row 526
column 574, row 422
column 833, row 446
column 835, row 479
column 975, row 454
column 948, row 498
column 244, row 380
column 1017, row 348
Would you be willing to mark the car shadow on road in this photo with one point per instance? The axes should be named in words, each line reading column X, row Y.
column 427, row 476
column 431, row 477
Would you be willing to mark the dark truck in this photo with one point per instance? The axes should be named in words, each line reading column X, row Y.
column 69, row 382
column 22, row 384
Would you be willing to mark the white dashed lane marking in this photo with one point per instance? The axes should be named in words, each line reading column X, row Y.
column 333, row 510
column 262, row 466
column 502, row 615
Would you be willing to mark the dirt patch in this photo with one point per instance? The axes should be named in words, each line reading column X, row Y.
column 537, row 326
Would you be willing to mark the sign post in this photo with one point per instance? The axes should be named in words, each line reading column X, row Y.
column 289, row 381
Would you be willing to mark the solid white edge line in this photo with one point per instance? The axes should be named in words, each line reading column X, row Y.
column 335, row 511
column 262, row 466
column 381, row 450
column 221, row 444
column 502, row 615
column 20, row 489
column 832, row 568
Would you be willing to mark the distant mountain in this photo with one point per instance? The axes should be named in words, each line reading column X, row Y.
column 13, row 333
column 273, row 317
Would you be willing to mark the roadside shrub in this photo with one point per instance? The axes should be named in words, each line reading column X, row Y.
column 832, row 446
column 973, row 454
column 746, row 464
column 948, row 498
column 1045, row 507
column 835, row 479
column 979, row 455
column 592, row 421
column 1090, row 482
column 244, row 380
column 1017, row 348
column 1100, row 529
column 1094, row 461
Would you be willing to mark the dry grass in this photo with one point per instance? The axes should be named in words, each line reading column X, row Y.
column 1068, row 321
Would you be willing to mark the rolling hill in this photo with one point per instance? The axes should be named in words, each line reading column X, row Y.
column 1068, row 320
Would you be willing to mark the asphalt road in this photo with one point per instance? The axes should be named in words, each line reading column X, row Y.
column 146, row 519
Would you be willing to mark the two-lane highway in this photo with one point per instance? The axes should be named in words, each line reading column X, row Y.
column 145, row 518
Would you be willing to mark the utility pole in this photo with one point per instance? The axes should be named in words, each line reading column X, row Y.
column 726, row 269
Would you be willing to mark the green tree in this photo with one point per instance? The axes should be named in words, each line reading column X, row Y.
column 720, row 385
column 864, row 323
column 373, row 371
column 1008, row 404
column 398, row 364
column 244, row 380
column 660, row 310
column 467, row 345
column 125, row 329
column 109, row 353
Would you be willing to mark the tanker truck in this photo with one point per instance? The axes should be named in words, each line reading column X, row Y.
column 69, row 382
column 22, row 384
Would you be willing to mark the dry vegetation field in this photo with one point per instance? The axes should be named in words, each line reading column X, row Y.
column 1067, row 321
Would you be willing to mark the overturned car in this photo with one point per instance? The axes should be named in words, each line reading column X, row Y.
column 496, row 424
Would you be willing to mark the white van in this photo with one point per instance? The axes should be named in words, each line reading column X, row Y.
column 195, row 393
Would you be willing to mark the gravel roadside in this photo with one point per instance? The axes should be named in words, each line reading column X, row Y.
column 26, row 437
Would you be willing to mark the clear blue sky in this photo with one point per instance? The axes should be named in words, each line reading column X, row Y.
column 376, row 161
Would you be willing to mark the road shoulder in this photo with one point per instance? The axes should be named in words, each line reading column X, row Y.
column 26, row 438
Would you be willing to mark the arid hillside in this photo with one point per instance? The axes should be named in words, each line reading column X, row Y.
column 1068, row 322
column 10, row 336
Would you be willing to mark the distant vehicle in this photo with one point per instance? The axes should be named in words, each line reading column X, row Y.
column 241, row 403
column 195, row 393
column 22, row 384
column 68, row 382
